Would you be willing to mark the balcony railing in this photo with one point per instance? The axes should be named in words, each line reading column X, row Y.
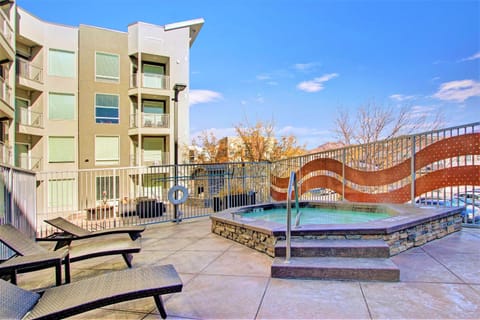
column 151, row 159
column 5, row 92
column 150, row 120
column 29, row 162
column 149, row 80
column 27, row 70
column 5, row 153
column 30, row 118
column 6, row 29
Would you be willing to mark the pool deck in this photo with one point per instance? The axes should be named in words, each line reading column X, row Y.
column 225, row 280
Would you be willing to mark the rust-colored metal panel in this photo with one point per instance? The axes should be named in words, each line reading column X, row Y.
column 378, row 178
column 321, row 164
column 455, row 176
column 448, row 148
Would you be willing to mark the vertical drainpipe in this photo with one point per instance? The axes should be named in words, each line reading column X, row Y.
column 412, row 171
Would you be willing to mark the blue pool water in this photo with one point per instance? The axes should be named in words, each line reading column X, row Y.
column 311, row 215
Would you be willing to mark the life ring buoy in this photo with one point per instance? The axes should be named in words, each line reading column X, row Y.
column 171, row 194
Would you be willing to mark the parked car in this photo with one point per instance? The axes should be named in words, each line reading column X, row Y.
column 470, row 197
column 470, row 213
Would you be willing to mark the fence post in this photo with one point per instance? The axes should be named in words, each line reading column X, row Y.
column 412, row 171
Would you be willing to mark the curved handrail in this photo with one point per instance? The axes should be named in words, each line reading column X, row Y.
column 291, row 183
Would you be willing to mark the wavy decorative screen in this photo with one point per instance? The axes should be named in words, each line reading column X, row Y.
column 440, row 163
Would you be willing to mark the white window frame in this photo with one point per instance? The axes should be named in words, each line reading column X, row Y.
column 74, row 65
column 74, row 149
column 107, row 162
column 107, row 107
column 64, row 94
column 104, row 78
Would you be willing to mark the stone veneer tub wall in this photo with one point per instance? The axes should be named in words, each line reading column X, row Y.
column 407, row 227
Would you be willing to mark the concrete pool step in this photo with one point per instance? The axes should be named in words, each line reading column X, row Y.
column 334, row 248
column 333, row 268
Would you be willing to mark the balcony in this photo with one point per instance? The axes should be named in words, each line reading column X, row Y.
column 26, row 117
column 29, row 75
column 150, row 120
column 151, row 158
column 150, row 81
column 7, row 38
column 29, row 122
column 5, row 153
column 6, row 105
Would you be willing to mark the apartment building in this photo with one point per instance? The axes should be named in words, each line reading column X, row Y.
column 88, row 97
column 85, row 97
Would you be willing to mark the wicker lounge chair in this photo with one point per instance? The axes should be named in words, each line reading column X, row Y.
column 71, row 231
column 91, row 293
column 27, row 248
column 31, row 256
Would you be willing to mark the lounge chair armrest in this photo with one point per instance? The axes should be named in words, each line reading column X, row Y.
column 57, row 236
column 34, row 260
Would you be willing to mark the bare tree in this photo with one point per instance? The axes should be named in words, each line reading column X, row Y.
column 376, row 122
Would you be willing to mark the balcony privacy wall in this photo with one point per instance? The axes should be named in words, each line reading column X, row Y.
column 438, row 164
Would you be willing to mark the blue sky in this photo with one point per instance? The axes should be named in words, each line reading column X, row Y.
column 297, row 62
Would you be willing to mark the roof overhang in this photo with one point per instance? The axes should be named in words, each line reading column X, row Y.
column 194, row 25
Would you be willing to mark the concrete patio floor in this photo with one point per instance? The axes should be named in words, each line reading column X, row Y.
column 225, row 280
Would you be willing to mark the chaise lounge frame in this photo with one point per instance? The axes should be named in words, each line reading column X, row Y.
column 91, row 293
column 71, row 231
column 31, row 256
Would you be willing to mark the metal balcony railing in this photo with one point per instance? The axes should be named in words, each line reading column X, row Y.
column 5, row 91
column 5, row 153
column 151, row 159
column 6, row 29
column 27, row 70
column 30, row 118
column 29, row 162
column 150, row 80
column 150, row 120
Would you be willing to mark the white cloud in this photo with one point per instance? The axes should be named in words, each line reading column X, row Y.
column 419, row 111
column 305, row 67
column 458, row 91
column 401, row 97
column 472, row 57
column 204, row 96
column 316, row 84
column 262, row 77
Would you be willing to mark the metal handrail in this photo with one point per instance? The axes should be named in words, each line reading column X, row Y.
column 291, row 182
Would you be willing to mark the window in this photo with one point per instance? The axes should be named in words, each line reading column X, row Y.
column 153, row 150
column 61, row 63
column 152, row 106
column 22, row 111
column 154, row 76
column 61, row 149
column 106, row 108
column 107, row 67
column 61, row 193
column 106, row 189
column 61, row 106
column 107, row 150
